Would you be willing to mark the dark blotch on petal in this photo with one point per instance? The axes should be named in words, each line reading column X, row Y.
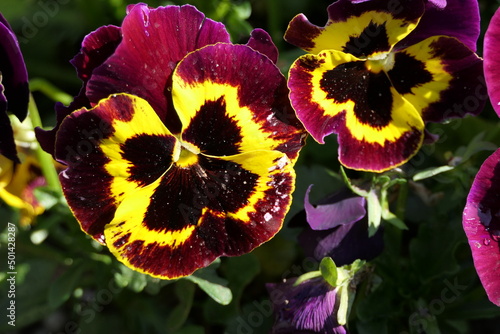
column 150, row 155
column 408, row 73
column 373, row 39
column 369, row 91
column 213, row 131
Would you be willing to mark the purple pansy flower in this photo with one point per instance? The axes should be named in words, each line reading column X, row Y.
column 481, row 218
column 14, row 90
column 180, row 145
column 308, row 307
column 379, row 71
column 337, row 227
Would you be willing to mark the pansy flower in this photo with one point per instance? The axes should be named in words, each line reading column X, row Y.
column 180, row 146
column 375, row 75
column 14, row 91
column 481, row 218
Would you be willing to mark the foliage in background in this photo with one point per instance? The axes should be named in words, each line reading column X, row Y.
column 423, row 282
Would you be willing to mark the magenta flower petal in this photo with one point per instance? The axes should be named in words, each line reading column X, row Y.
column 492, row 61
column 341, row 212
column 261, row 41
column 459, row 19
column 481, row 222
column 154, row 41
column 309, row 307
column 96, row 48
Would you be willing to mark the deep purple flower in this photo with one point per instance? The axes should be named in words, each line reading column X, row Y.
column 14, row 91
column 338, row 227
column 481, row 218
column 308, row 307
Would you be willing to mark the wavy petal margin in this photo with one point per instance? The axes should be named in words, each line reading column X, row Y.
column 481, row 222
column 362, row 29
column 492, row 62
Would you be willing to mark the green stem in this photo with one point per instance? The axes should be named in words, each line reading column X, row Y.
column 46, row 162
column 50, row 91
column 401, row 201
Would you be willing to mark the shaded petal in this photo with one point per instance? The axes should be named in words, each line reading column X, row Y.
column 309, row 306
column 327, row 216
column 437, row 73
column 154, row 41
column 96, row 48
column 192, row 215
column 104, row 150
column 481, row 222
column 458, row 18
column 492, row 62
column 261, row 41
column 334, row 92
column 362, row 29
column 14, row 76
column 214, row 89
column 7, row 143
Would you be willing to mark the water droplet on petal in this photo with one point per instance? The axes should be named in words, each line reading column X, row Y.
column 486, row 241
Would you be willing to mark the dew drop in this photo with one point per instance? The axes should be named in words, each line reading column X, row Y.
column 486, row 241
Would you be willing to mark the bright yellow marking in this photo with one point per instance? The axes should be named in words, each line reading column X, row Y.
column 186, row 158
column 144, row 121
column 424, row 95
column 336, row 34
column 404, row 115
column 188, row 99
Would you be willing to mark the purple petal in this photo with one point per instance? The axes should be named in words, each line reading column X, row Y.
column 154, row 41
column 309, row 306
column 481, row 222
column 261, row 41
column 492, row 61
column 14, row 73
column 96, row 48
column 459, row 19
column 7, row 143
column 324, row 217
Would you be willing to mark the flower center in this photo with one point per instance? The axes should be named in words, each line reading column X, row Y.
column 380, row 62
column 188, row 155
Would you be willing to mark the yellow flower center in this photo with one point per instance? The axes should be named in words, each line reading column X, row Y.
column 187, row 155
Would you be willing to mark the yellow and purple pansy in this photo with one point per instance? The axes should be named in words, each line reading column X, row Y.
column 481, row 217
column 380, row 70
column 14, row 91
column 180, row 146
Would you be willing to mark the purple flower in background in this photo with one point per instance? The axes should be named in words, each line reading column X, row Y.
column 308, row 307
column 481, row 219
column 14, row 91
column 337, row 227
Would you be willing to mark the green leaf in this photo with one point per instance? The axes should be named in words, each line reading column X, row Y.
column 328, row 270
column 215, row 286
column 374, row 212
column 62, row 288
column 430, row 172
column 184, row 290
column 131, row 279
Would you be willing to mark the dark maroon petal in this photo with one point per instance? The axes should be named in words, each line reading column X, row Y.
column 466, row 93
column 154, row 41
column 481, row 222
column 492, row 60
column 458, row 18
column 261, row 41
column 13, row 71
column 7, row 143
column 96, row 48
column 309, row 307
column 328, row 216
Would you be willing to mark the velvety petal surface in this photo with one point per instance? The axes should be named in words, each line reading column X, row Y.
column 362, row 29
column 261, row 41
column 153, row 42
column 492, row 61
column 14, row 76
column 335, row 92
column 213, row 90
column 458, row 18
column 328, row 216
column 310, row 306
column 7, row 143
column 481, row 222
column 96, row 48
column 167, row 210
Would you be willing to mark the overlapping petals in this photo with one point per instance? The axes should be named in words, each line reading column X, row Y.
column 195, row 166
column 363, row 82
column 14, row 91
column 481, row 222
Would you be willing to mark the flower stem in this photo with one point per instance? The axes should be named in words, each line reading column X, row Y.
column 45, row 160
